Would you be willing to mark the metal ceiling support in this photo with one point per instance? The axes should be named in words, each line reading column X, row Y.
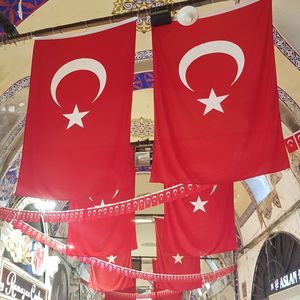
column 100, row 21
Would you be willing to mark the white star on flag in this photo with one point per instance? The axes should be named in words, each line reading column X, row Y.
column 178, row 259
column 75, row 117
column 213, row 102
column 198, row 204
column 111, row 259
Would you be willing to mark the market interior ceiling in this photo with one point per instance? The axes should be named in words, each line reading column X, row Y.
column 56, row 13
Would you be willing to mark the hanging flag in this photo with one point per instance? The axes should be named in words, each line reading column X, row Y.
column 173, row 263
column 291, row 144
column 216, row 102
column 104, row 280
column 102, row 237
column 201, row 224
column 78, row 117
column 161, row 286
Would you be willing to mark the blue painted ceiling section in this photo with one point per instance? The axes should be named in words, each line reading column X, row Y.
column 15, row 11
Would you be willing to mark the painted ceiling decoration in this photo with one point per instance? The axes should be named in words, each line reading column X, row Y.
column 142, row 128
column 143, row 23
column 143, row 80
column 286, row 49
column 15, row 11
column 290, row 103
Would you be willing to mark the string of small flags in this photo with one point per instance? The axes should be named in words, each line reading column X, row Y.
column 127, row 272
column 96, row 212
column 292, row 143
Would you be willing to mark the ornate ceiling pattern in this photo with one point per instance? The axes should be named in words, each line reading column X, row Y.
column 143, row 23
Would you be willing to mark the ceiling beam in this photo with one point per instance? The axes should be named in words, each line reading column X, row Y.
column 100, row 21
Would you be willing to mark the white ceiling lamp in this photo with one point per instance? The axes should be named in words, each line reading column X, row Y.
column 187, row 15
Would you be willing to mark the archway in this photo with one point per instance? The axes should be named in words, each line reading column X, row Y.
column 279, row 255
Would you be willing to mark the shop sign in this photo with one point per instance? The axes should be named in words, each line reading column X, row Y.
column 17, row 284
column 285, row 281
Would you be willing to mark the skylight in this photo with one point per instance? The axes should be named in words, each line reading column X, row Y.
column 259, row 187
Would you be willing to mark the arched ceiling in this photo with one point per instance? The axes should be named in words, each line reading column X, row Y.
column 286, row 18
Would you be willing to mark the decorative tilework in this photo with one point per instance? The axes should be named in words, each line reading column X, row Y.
column 290, row 103
column 286, row 49
column 143, row 23
column 142, row 128
column 19, row 85
column 146, row 54
column 143, row 81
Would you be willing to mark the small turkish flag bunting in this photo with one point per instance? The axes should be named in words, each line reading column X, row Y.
column 291, row 144
column 297, row 137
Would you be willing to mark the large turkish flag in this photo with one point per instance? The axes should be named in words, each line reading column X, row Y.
column 78, row 118
column 201, row 224
column 173, row 262
column 216, row 102
column 103, row 237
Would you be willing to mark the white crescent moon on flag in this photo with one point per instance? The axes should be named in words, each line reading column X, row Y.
column 213, row 189
column 85, row 64
column 116, row 193
column 223, row 47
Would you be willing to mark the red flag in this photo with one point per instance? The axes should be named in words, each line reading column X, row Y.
column 216, row 102
column 201, row 224
column 78, row 118
column 291, row 143
column 297, row 138
column 160, row 286
column 104, row 280
column 102, row 237
column 173, row 263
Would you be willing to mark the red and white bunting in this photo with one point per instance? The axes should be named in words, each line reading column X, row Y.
column 152, row 295
column 124, row 207
column 61, row 248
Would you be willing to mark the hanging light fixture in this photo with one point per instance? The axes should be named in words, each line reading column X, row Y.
column 187, row 15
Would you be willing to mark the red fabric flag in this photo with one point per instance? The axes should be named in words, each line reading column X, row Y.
column 291, row 144
column 297, row 138
column 216, row 103
column 201, row 224
column 78, row 118
column 104, row 280
column 160, row 286
column 173, row 263
column 102, row 237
